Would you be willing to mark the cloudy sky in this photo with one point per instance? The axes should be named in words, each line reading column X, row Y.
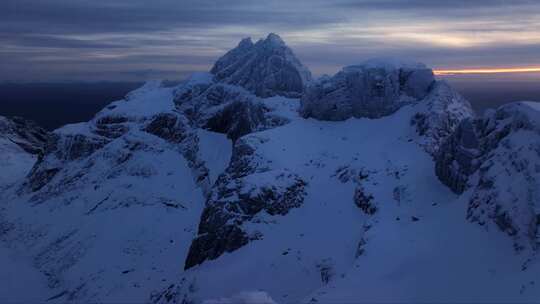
column 63, row 40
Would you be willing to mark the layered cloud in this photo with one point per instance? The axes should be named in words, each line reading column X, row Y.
column 137, row 39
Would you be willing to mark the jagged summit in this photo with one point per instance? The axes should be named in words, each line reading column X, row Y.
column 266, row 68
column 273, row 39
column 245, row 43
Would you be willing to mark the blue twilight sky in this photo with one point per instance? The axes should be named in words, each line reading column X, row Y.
column 59, row 40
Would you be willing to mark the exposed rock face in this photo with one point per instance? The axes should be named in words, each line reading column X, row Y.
column 60, row 149
column 439, row 115
column 265, row 68
column 457, row 158
column 25, row 133
column 373, row 89
column 364, row 201
column 225, row 109
column 248, row 191
column 498, row 158
column 195, row 86
column 111, row 126
column 167, row 126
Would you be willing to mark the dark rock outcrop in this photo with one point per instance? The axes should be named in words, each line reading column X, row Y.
column 25, row 133
column 364, row 201
column 60, row 149
column 167, row 126
column 226, row 109
column 246, row 192
column 373, row 89
column 497, row 158
column 457, row 158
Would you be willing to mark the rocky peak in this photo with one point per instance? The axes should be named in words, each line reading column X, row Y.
column 273, row 40
column 372, row 89
column 245, row 43
column 266, row 68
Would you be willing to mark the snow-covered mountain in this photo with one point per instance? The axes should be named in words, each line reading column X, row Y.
column 376, row 88
column 253, row 184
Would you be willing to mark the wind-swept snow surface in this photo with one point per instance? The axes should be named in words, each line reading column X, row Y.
column 416, row 245
column 21, row 283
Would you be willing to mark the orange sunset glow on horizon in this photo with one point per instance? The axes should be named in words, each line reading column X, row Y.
column 442, row 72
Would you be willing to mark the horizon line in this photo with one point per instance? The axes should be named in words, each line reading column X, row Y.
column 449, row 72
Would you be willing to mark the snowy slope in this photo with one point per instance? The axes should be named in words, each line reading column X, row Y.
column 20, row 143
column 14, row 161
column 106, row 213
column 21, row 283
column 418, row 242
column 496, row 157
column 372, row 89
